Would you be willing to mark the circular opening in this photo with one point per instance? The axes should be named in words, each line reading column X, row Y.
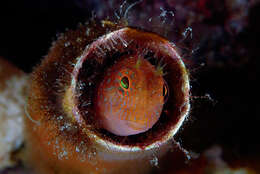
column 175, row 89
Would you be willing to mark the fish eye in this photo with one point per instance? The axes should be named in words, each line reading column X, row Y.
column 165, row 91
column 124, row 82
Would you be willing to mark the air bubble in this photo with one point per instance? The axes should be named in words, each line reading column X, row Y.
column 60, row 117
column 164, row 13
column 63, row 154
column 154, row 161
column 77, row 149
column 67, row 44
column 88, row 31
column 79, row 39
column 188, row 31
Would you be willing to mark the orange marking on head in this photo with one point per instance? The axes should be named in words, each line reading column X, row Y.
column 134, row 97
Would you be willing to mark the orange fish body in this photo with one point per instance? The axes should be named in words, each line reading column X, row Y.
column 130, row 98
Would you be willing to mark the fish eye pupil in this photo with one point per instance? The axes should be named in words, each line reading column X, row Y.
column 125, row 82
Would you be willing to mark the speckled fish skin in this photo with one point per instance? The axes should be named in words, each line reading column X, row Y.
column 136, row 109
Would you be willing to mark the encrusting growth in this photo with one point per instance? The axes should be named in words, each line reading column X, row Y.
column 104, row 103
